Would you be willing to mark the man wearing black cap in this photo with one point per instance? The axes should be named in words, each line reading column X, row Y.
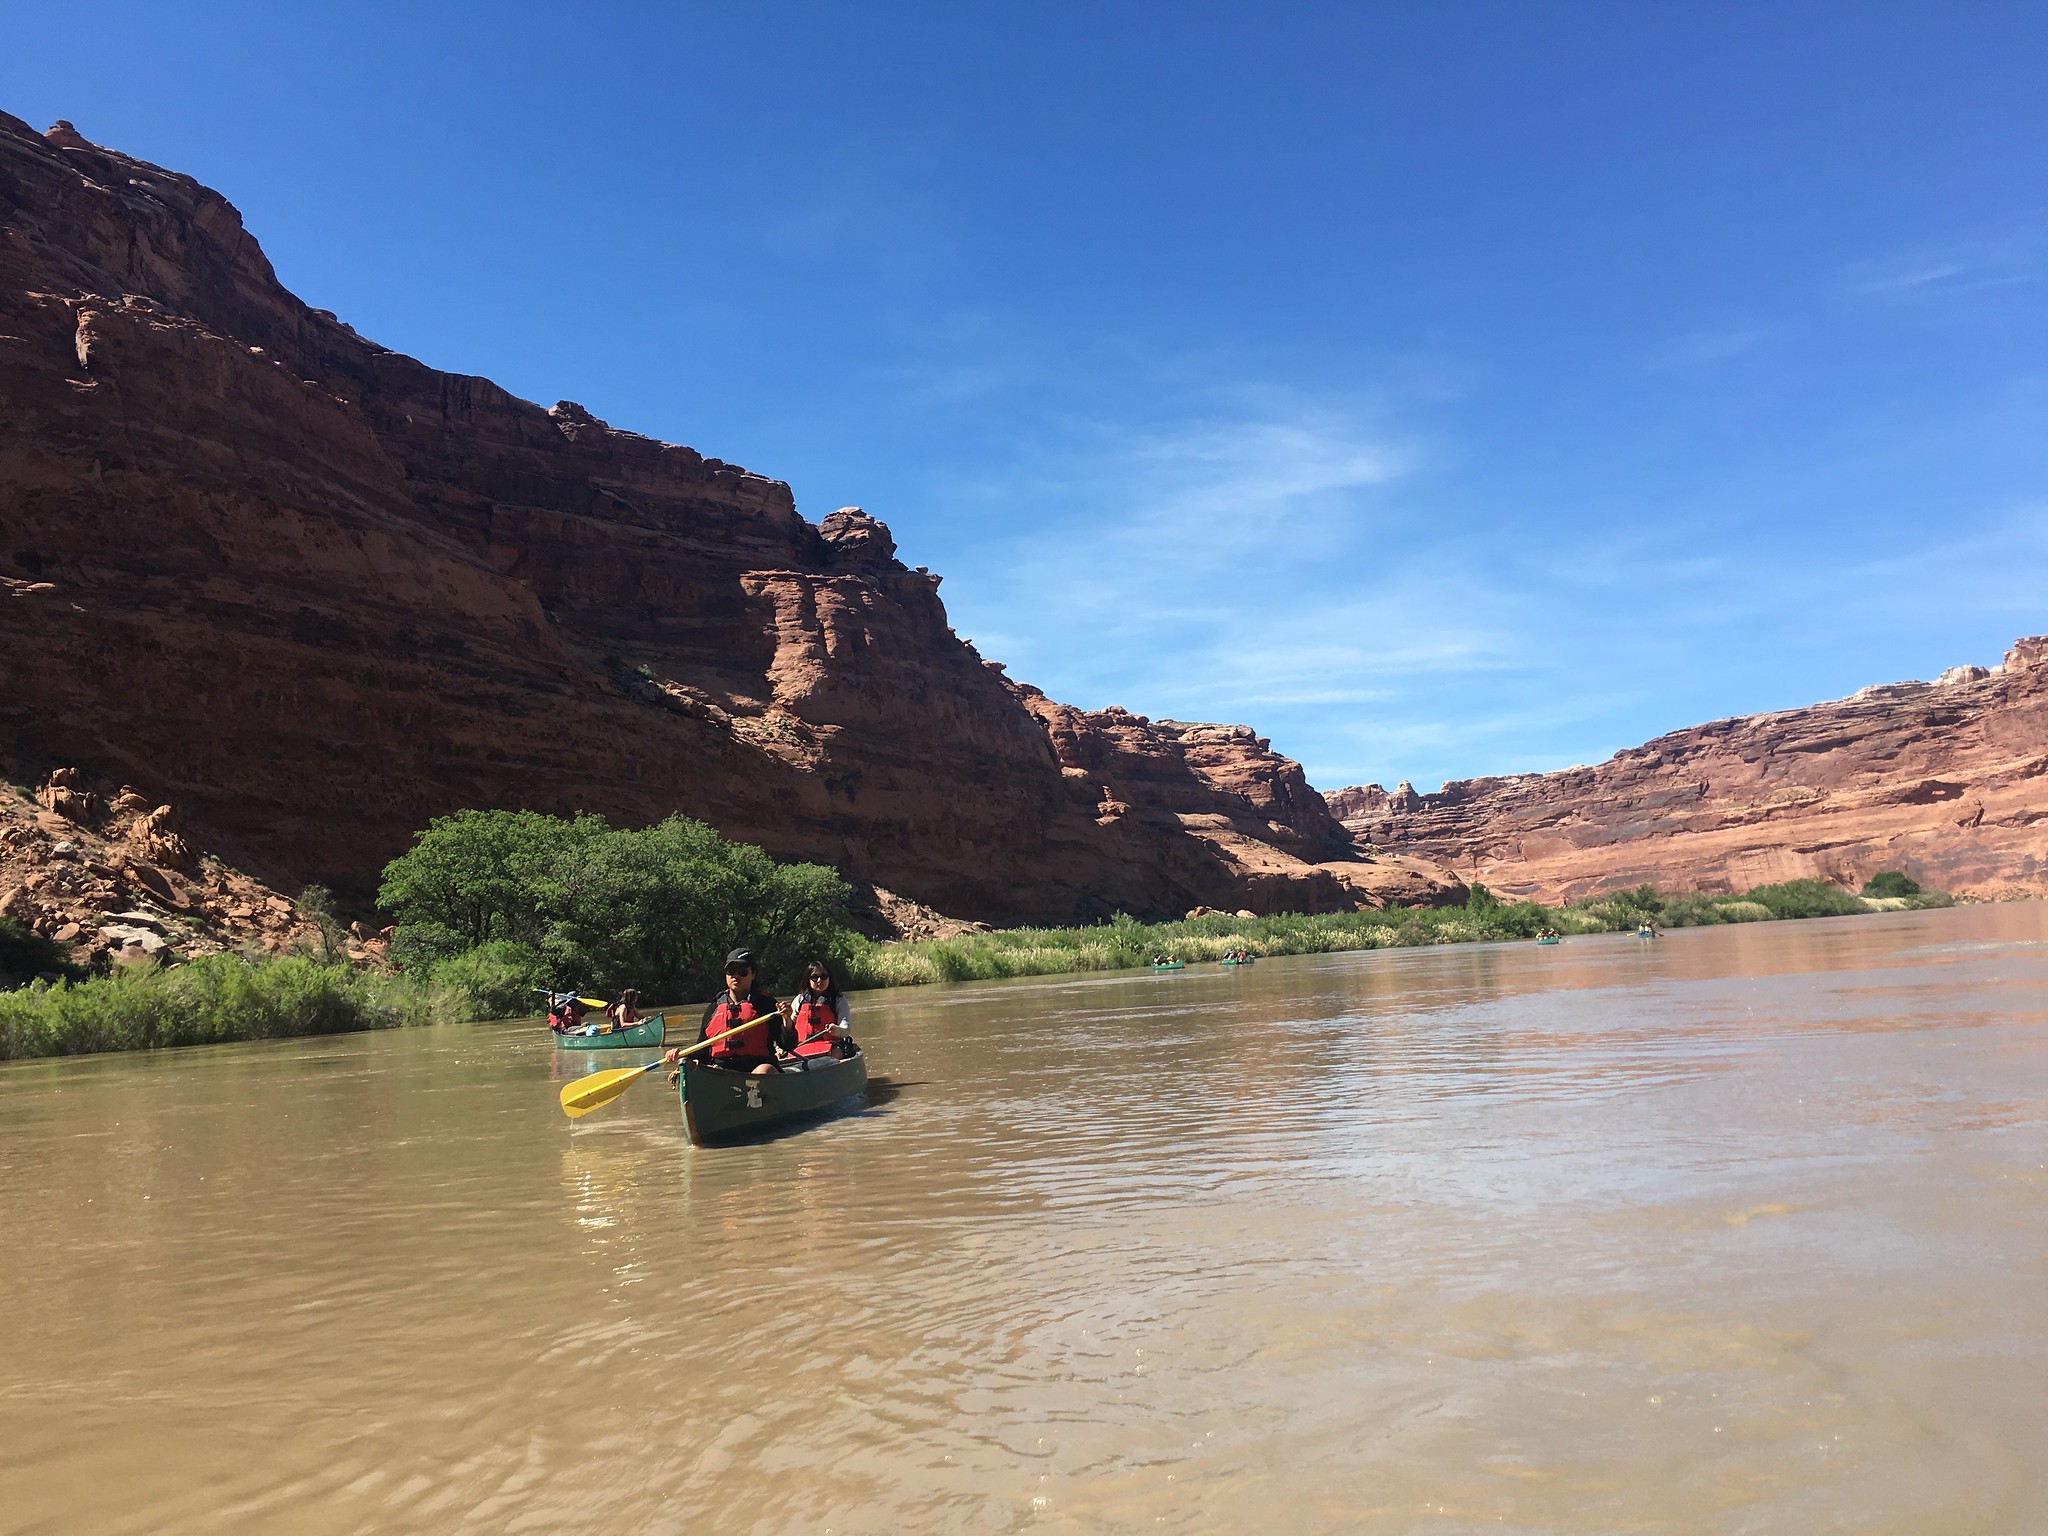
column 752, row 1050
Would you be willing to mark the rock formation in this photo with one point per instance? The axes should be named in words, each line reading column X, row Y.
column 313, row 593
column 1223, row 788
column 92, row 874
column 1944, row 780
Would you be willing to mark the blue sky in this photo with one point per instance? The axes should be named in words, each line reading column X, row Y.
column 1443, row 389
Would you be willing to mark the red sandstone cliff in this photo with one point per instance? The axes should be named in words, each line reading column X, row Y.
column 1944, row 780
column 315, row 592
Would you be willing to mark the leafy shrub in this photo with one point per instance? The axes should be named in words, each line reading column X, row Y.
column 1891, row 882
column 1742, row 911
column 500, row 980
column 603, row 909
column 1805, row 898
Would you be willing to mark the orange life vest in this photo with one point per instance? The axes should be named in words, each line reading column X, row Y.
column 814, row 1021
column 748, row 1042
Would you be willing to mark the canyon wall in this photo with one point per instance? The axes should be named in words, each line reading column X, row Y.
column 1944, row 780
column 315, row 592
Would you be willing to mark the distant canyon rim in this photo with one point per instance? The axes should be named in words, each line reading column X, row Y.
column 310, row 593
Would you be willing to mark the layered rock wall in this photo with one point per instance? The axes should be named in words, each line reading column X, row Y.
column 1945, row 780
column 1234, row 801
column 315, row 592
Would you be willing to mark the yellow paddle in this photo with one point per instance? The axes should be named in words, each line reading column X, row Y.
column 588, row 1002
column 600, row 1088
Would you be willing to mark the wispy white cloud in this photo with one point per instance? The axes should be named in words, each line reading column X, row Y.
column 1996, row 259
column 1253, row 557
column 1336, row 570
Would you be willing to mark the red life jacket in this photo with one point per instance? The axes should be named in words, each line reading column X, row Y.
column 748, row 1042
column 814, row 1021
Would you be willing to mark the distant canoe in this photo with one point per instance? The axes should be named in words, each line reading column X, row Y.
column 719, row 1105
column 1169, row 965
column 1247, row 960
column 1546, row 941
column 1646, row 933
column 647, row 1032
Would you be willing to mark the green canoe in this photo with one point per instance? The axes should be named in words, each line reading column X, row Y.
column 610, row 1037
column 720, row 1105
column 1246, row 961
column 1546, row 941
column 1169, row 965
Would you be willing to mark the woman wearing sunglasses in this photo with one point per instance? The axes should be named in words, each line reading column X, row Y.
column 823, row 1021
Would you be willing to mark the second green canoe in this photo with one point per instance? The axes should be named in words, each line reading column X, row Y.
column 610, row 1037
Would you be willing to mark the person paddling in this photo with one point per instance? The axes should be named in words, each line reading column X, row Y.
column 820, row 1016
column 742, row 1002
column 626, row 1011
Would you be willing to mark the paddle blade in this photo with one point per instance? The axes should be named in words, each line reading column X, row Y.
column 593, row 1002
column 597, row 1090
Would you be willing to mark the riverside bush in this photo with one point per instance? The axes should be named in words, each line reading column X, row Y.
column 1742, row 912
column 499, row 980
column 219, row 997
column 584, row 906
column 1806, row 898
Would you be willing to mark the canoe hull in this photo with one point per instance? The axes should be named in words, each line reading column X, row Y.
column 1545, row 941
column 721, row 1106
column 647, row 1032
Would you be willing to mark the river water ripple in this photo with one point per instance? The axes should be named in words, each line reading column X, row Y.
column 1740, row 1230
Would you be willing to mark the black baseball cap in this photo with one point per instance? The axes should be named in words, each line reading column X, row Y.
column 739, row 960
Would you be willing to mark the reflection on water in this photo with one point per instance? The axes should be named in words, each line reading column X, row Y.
column 1740, row 1230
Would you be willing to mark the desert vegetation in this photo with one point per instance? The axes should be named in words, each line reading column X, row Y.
column 1126, row 943
column 212, row 999
column 494, row 906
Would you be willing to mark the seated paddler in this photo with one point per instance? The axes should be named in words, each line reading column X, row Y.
column 823, row 1022
column 625, row 1013
column 743, row 1003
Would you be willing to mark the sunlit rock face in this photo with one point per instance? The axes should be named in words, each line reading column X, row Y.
column 1946, row 780
column 314, row 592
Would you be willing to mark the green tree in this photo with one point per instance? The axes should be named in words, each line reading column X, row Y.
column 602, row 908
column 476, row 876
column 1891, row 882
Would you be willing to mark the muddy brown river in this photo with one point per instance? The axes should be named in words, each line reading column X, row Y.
column 1740, row 1230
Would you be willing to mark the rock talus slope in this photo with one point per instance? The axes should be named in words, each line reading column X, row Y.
column 314, row 592
column 1945, row 780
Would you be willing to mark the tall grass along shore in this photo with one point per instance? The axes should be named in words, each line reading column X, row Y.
column 216, row 998
column 1126, row 944
column 228, row 997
